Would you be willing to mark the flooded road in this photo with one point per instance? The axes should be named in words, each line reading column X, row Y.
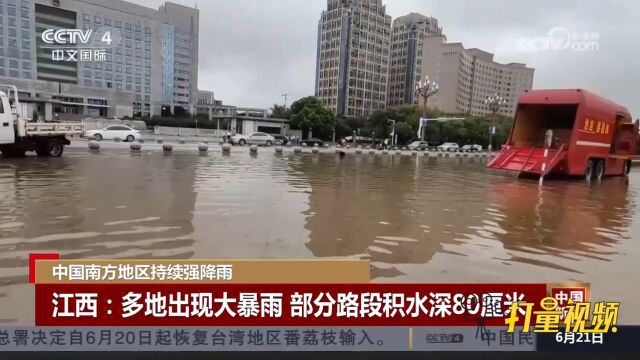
column 416, row 219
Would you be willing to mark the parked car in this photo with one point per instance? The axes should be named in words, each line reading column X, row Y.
column 280, row 139
column 471, row 148
column 359, row 139
column 114, row 131
column 449, row 146
column 256, row 138
column 312, row 141
column 418, row 145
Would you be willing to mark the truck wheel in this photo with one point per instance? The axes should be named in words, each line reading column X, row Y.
column 13, row 152
column 589, row 173
column 56, row 148
column 627, row 167
column 599, row 174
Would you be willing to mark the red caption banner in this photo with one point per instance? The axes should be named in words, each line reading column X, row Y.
column 279, row 304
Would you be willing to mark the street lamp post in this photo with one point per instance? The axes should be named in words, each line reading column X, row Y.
column 393, row 130
column 425, row 89
column 494, row 103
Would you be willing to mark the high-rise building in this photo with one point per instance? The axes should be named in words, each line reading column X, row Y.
column 467, row 77
column 353, row 57
column 405, row 66
column 150, row 66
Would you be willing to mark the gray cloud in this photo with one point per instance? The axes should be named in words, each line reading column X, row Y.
column 252, row 51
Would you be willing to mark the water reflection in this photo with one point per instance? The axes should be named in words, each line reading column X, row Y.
column 415, row 218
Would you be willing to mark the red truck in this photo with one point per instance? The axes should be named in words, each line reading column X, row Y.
column 569, row 132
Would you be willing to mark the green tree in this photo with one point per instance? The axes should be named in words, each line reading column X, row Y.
column 308, row 113
column 280, row 112
column 405, row 132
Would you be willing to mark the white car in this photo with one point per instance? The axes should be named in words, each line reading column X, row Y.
column 257, row 138
column 114, row 131
column 418, row 145
column 471, row 148
column 448, row 146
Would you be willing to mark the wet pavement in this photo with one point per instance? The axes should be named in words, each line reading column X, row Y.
column 418, row 219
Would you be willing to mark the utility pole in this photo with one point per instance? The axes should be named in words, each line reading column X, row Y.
column 285, row 100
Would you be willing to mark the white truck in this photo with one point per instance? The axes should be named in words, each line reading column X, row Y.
column 19, row 135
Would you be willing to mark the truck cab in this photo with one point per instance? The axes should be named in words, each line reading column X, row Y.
column 7, row 120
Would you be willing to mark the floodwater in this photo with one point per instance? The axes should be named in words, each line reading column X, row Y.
column 416, row 219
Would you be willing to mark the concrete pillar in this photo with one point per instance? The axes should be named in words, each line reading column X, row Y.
column 48, row 111
column 210, row 114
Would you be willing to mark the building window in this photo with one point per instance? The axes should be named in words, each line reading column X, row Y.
column 97, row 20
column 86, row 17
column 107, row 22
column 118, row 24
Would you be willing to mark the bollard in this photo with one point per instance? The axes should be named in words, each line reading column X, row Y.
column 304, row 144
column 315, row 150
column 358, row 151
column 289, row 144
column 348, row 146
column 372, row 152
column 278, row 150
column 226, row 147
column 159, row 141
column 368, row 147
column 398, row 152
column 297, row 149
column 117, row 139
column 414, row 153
column 359, row 147
column 385, row 152
column 135, row 147
column 253, row 149
column 337, row 150
column 326, row 145
column 404, row 148
column 315, row 145
column 94, row 145
column 167, row 147
column 203, row 147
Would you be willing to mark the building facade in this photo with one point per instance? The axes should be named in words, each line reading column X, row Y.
column 467, row 77
column 405, row 66
column 129, row 80
column 353, row 57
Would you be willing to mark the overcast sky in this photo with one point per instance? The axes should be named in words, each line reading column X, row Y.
column 253, row 51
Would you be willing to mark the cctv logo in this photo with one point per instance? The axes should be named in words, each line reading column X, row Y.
column 66, row 36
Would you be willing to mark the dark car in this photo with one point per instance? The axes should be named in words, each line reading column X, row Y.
column 281, row 139
column 312, row 141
